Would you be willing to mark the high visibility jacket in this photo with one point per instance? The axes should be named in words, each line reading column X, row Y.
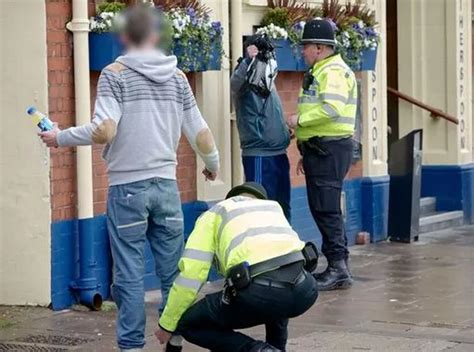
column 328, row 107
column 239, row 229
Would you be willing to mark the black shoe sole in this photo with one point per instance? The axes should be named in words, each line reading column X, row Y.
column 343, row 284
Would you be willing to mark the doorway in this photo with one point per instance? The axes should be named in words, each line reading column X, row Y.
column 392, row 70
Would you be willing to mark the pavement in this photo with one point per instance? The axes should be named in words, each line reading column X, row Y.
column 406, row 297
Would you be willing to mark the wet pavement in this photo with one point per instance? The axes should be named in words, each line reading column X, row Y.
column 407, row 297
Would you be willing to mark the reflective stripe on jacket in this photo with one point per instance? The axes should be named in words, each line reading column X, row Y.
column 239, row 229
column 328, row 108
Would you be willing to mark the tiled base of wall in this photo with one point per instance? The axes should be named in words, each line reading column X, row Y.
column 452, row 186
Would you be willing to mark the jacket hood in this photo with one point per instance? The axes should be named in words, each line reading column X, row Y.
column 153, row 64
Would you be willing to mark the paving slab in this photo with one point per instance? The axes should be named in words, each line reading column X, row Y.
column 406, row 297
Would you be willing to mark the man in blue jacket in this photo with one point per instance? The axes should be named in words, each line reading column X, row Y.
column 264, row 136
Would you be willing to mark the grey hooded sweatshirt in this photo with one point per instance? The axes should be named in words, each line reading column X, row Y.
column 146, row 102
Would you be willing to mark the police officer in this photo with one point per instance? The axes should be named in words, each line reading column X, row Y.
column 324, row 127
column 264, row 262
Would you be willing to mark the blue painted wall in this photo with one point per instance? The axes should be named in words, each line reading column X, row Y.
column 366, row 209
column 65, row 256
column 453, row 187
column 375, row 193
column 65, row 263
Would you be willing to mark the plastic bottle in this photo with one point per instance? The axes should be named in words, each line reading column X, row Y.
column 40, row 119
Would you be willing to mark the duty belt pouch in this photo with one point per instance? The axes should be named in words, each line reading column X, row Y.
column 239, row 276
column 310, row 253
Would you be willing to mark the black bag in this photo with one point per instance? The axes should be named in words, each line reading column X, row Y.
column 239, row 276
column 310, row 253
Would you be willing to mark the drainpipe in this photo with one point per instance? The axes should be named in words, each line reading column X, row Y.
column 86, row 287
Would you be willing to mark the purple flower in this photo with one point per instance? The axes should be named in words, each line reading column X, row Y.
column 333, row 25
column 216, row 25
column 191, row 12
column 298, row 26
column 370, row 32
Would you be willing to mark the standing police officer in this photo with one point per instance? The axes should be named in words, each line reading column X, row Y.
column 324, row 127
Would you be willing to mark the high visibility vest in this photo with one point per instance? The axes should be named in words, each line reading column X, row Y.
column 328, row 107
column 239, row 229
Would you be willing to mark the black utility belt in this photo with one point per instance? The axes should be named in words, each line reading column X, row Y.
column 317, row 144
column 241, row 275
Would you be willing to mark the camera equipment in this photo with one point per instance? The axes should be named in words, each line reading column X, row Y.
column 263, row 69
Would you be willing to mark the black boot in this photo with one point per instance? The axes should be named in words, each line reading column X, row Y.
column 348, row 267
column 172, row 348
column 320, row 275
column 335, row 277
column 263, row 347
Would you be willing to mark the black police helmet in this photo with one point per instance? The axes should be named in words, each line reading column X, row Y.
column 253, row 188
column 318, row 31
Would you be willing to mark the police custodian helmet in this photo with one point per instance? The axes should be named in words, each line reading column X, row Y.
column 318, row 31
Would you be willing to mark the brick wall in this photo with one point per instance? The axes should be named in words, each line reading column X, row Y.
column 61, row 110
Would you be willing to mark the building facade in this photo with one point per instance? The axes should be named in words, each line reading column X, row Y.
column 426, row 53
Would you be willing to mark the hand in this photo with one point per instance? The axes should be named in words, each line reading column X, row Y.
column 162, row 336
column 292, row 121
column 299, row 167
column 50, row 138
column 209, row 175
column 252, row 51
column 292, row 133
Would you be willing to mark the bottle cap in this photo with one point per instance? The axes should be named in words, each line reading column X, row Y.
column 31, row 110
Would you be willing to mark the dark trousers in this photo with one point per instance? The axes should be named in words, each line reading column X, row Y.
column 273, row 173
column 325, row 168
column 210, row 323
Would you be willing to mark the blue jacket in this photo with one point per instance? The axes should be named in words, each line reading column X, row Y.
column 262, row 127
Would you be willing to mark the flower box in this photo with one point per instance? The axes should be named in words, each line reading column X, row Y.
column 369, row 60
column 289, row 56
column 191, row 57
column 105, row 47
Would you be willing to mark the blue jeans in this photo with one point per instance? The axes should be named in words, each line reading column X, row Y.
column 149, row 209
column 273, row 173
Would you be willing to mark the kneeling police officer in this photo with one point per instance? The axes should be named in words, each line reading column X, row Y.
column 266, row 268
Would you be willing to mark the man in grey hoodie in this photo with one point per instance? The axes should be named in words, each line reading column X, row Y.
column 143, row 104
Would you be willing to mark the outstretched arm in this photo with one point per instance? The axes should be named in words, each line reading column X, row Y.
column 107, row 114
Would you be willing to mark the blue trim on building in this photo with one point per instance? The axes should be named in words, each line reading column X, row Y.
column 65, row 256
column 65, row 260
column 375, row 200
column 302, row 220
column 366, row 209
column 453, row 187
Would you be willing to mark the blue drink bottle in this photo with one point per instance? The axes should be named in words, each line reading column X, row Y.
column 40, row 119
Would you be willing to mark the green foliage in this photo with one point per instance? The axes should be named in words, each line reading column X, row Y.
column 113, row 7
column 353, row 22
column 278, row 16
